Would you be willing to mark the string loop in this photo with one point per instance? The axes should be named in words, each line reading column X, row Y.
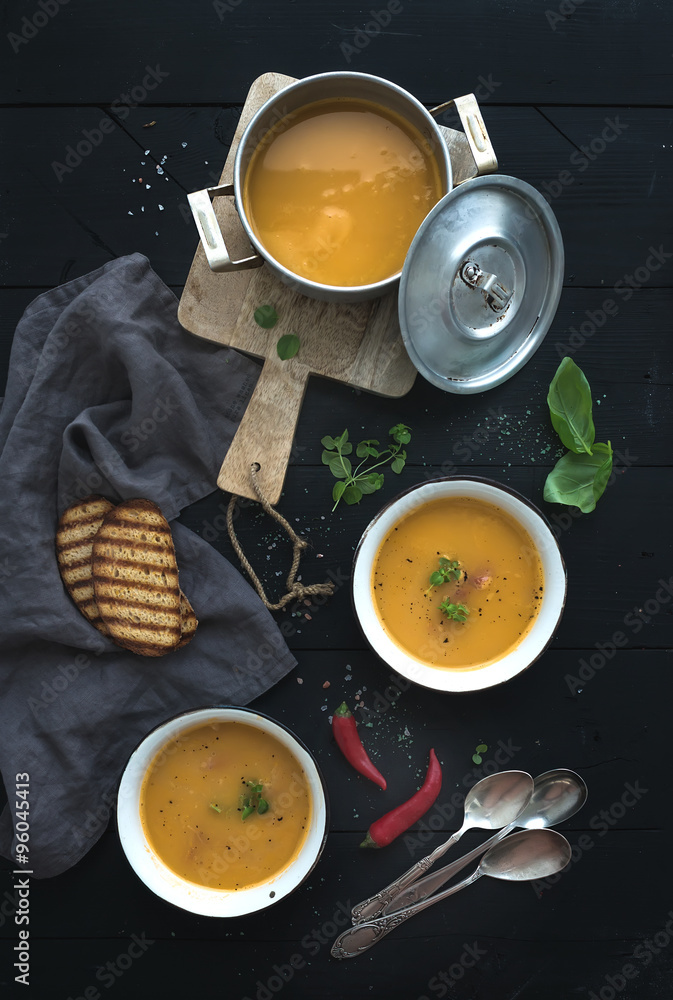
column 295, row 591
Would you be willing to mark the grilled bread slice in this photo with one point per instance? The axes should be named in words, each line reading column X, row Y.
column 74, row 542
column 135, row 577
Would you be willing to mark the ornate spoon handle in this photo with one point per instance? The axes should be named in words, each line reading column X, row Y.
column 365, row 935
column 372, row 907
column 425, row 886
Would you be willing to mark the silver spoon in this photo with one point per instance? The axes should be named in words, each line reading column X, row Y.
column 528, row 855
column 557, row 795
column 493, row 802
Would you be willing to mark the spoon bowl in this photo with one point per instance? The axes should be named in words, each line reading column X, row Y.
column 528, row 855
column 497, row 800
column 557, row 795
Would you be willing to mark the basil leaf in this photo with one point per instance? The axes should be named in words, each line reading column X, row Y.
column 337, row 491
column 328, row 442
column 570, row 407
column 327, row 457
column 266, row 316
column 287, row 346
column 436, row 579
column 580, row 480
column 397, row 464
column 352, row 494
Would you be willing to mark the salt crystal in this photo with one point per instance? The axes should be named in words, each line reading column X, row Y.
column 184, row 145
column 130, row 213
column 161, row 208
column 300, row 680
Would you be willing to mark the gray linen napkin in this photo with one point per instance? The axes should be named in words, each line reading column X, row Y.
column 107, row 394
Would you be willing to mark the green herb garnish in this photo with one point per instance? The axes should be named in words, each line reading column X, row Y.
column 213, row 805
column 580, row 477
column 287, row 346
column 454, row 612
column 449, row 569
column 476, row 756
column 354, row 483
column 266, row 316
column 253, row 800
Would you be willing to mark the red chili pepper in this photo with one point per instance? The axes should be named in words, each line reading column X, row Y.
column 349, row 742
column 383, row 831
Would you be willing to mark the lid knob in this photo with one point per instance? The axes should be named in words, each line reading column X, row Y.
column 496, row 294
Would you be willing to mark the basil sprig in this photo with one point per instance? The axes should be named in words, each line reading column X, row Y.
column 580, row 477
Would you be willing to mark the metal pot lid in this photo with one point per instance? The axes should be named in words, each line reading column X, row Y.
column 481, row 283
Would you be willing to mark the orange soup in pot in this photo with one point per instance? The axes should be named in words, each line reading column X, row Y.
column 337, row 190
column 457, row 583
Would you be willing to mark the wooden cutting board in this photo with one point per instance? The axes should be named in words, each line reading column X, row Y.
column 358, row 344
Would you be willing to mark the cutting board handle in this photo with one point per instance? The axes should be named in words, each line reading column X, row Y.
column 266, row 432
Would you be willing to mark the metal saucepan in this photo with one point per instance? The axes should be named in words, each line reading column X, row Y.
column 325, row 86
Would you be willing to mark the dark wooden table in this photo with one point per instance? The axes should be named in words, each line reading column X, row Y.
column 577, row 98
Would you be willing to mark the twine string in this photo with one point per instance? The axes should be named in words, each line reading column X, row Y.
column 295, row 591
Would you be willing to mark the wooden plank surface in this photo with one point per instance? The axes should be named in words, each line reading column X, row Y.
column 577, row 101
column 536, row 52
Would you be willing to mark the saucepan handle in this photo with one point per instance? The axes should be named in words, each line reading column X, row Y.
column 475, row 132
column 212, row 239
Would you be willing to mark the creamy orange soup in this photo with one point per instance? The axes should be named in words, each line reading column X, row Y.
column 337, row 190
column 203, row 818
column 500, row 583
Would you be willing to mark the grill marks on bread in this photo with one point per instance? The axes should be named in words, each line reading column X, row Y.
column 74, row 542
column 118, row 565
column 135, row 577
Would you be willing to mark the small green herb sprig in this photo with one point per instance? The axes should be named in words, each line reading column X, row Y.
column 354, row 483
column 580, row 477
column 449, row 569
column 253, row 800
column 476, row 756
column 454, row 612
column 449, row 572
